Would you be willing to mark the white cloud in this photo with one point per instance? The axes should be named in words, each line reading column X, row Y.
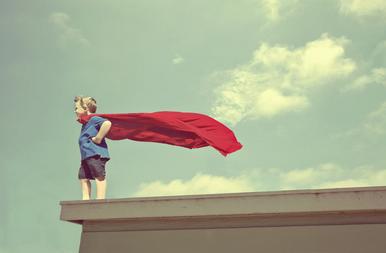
column 328, row 175
column 346, row 183
column 307, row 175
column 278, row 79
column 67, row 34
column 199, row 184
column 376, row 121
column 178, row 59
column 271, row 8
column 271, row 102
column 360, row 8
column 376, row 76
column 312, row 177
column 362, row 176
column 374, row 71
column 275, row 9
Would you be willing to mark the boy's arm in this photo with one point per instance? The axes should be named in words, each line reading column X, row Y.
column 104, row 129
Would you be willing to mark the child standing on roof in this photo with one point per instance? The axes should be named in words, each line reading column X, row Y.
column 93, row 148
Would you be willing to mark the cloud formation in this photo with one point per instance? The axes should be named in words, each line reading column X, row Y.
column 374, row 71
column 331, row 175
column 199, row 184
column 376, row 76
column 275, row 9
column 67, row 34
column 277, row 79
column 360, row 8
column 327, row 175
column 370, row 129
column 178, row 60
column 376, row 121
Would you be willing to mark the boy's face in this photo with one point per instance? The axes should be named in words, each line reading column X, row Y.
column 79, row 111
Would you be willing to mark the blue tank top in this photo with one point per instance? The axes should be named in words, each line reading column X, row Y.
column 87, row 146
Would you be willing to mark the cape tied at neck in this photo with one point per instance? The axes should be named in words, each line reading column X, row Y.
column 184, row 129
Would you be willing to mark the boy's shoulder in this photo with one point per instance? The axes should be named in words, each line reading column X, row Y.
column 97, row 119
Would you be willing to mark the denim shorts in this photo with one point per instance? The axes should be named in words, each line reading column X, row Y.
column 92, row 167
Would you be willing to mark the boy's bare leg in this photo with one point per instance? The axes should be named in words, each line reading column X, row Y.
column 101, row 187
column 86, row 189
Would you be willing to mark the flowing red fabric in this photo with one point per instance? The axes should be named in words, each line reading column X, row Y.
column 185, row 129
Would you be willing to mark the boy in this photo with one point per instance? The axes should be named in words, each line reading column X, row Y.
column 93, row 148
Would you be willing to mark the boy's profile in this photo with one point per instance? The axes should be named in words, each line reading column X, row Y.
column 93, row 148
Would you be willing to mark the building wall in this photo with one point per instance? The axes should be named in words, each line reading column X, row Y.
column 364, row 238
column 343, row 220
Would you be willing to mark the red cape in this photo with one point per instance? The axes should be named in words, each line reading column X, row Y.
column 185, row 129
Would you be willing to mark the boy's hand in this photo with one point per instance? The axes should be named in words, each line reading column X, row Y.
column 105, row 128
column 96, row 140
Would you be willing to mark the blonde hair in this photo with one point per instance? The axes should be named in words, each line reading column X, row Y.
column 86, row 103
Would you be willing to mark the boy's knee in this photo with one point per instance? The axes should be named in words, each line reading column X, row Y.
column 101, row 178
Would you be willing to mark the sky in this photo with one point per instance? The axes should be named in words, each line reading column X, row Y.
column 302, row 84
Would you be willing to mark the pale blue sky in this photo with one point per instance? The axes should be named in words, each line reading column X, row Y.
column 301, row 83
